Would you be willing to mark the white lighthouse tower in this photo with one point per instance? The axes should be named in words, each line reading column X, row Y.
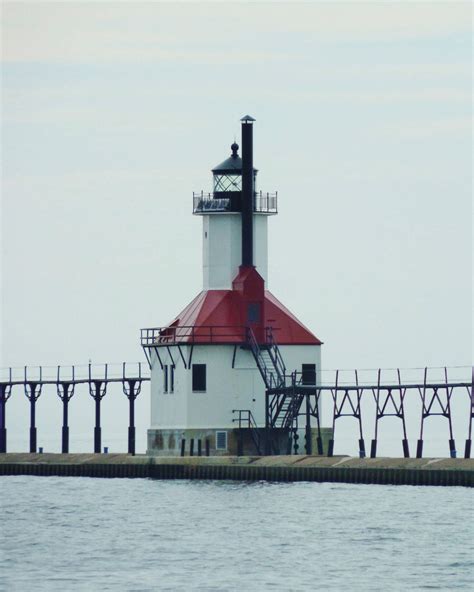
column 212, row 366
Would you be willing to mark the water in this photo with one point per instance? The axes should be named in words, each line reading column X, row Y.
column 69, row 534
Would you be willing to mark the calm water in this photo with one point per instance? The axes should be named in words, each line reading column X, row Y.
column 96, row 534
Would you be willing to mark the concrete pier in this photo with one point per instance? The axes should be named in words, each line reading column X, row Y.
column 342, row 469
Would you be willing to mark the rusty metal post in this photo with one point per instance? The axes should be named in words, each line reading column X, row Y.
column 308, row 441
column 97, row 427
column 5, row 392
column 65, row 391
column 97, row 390
column 268, row 437
column 334, row 415
column 65, row 429
column 33, row 429
column 467, row 449
column 32, row 392
column 131, row 388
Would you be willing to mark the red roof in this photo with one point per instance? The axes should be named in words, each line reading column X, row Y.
column 288, row 330
column 215, row 316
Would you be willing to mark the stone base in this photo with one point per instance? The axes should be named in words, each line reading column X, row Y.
column 166, row 442
column 290, row 445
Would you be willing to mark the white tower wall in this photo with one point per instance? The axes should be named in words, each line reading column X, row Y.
column 222, row 248
column 227, row 388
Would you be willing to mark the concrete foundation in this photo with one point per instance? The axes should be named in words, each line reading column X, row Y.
column 244, row 442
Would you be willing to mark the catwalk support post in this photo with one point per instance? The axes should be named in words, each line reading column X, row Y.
column 470, row 390
column 268, row 440
column 131, row 389
column 32, row 392
column 97, row 390
column 5, row 392
column 308, row 436
column 65, row 390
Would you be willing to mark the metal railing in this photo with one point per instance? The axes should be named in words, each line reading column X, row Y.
column 154, row 336
column 65, row 379
column 268, row 359
column 246, row 420
column 206, row 203
column 434, row 390
column 275, row 354
column 74, row 373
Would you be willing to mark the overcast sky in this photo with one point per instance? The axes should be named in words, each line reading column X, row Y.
column 113, row 113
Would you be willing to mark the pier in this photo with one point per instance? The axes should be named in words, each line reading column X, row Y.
column 345, row 469
column 291, row 404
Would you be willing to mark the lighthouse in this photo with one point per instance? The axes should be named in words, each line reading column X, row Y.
column 214, row 363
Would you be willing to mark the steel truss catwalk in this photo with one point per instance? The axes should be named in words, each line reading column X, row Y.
column 66, row 379
column 284, row 407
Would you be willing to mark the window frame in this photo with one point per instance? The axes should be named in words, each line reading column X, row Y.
column 307, row 370
column 165, row 378
column 254, row 312
column 226, row 447
column 195, row 390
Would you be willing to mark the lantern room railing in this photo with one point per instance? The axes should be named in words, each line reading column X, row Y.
column 208, row 203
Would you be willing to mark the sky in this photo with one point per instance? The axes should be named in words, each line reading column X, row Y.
column 114, row 113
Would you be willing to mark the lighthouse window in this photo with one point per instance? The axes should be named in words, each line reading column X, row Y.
column 199, row 377
column 253, row 312
column 308, row 373
column 221, row 440
column 227, row 183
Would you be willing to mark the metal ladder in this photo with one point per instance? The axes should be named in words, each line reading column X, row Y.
column 284, row 413
column 268, row 358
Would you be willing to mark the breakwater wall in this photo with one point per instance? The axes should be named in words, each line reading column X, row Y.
column 383, row 471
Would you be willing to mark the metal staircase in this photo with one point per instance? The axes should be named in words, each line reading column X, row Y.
column 285, row 405
column 268, row 358
column 286, row 411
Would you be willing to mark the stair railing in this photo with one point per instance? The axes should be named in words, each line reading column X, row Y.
column 257, row 354
column 247, row 420
column 275, row 355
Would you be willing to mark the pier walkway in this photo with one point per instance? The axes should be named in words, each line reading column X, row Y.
column 338, row 469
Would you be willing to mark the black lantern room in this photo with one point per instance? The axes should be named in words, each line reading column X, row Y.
column 227, row 187
column 227, row 178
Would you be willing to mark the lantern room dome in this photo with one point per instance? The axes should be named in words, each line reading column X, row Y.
column 232, row 165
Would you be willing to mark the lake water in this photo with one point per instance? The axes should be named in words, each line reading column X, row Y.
column 69, row 534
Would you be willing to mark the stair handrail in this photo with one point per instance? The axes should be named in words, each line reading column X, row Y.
column 257, row 354
column 275, row 354
column 246, row 415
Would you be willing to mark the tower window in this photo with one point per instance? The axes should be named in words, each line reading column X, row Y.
column 172, row 378
column 308, row 373
column 253, row 312
column 199, row 377
column 165, row 378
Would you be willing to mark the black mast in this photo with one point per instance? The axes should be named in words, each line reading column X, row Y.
column 247, row 191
